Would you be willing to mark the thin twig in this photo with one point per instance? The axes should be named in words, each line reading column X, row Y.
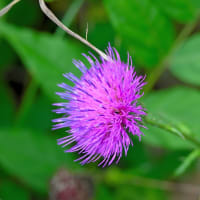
column 117, row 177
column 86, row 33
column 51, row 16
column 8, row 7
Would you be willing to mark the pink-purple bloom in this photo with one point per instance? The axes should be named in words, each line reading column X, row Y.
column 101, row 109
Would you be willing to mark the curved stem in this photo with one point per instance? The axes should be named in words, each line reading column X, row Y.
column 172, row 129
column 8, row 7
column 51, row 16
column 30, row 93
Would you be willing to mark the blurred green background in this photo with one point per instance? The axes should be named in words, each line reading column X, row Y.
column 164, row 40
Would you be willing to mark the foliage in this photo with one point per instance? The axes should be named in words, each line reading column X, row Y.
column 33, row 57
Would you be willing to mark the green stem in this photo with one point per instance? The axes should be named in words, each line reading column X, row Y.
column 161, row 67
column 187, row 162
column 116, row 177
column 69, row 16
column 181, row 132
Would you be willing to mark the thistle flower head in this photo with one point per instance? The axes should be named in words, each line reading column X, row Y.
column 101, row 109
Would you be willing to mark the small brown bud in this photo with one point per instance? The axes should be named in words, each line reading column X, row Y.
column 66, row 186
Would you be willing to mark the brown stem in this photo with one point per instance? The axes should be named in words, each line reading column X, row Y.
column 8, row 7
column 51, row 16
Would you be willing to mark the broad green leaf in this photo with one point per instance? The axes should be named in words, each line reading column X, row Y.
column 179, row 105
column 147, row 32
column 7, row 54
column 38, row 116
column 181, row 10
column 46, row 56
column 32, row 157
column 10, row 190
column 185, row 63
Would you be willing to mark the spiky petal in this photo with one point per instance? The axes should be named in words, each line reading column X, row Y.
column 102, row 109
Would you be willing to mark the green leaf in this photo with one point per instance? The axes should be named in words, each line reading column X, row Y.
column 178, row 105
column 46, row 56
column 39, row 115
column 185, row 63
column 32, row 157
column 181, row 10
column 7, row 55
column 10, row 190
column 145, row 29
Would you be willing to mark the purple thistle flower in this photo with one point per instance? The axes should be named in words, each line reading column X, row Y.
column 102, row 109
